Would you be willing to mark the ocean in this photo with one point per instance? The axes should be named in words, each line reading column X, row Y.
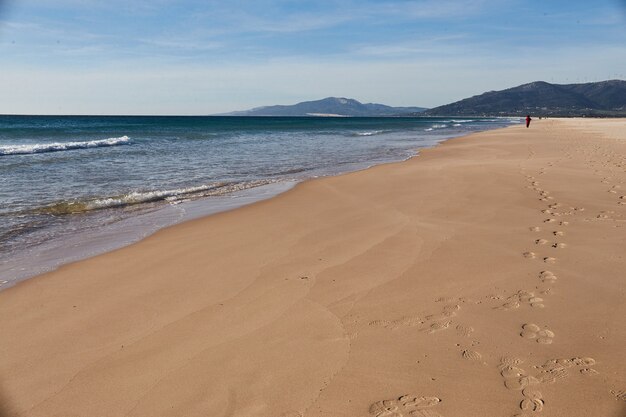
column 75, row 186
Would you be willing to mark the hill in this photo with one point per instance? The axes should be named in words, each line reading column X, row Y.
column 330, row 106
column 605, row 98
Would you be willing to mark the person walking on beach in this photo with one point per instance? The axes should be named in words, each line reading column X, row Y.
column 528, row 119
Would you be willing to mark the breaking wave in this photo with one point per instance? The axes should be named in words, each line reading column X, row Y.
column 372, row 133
column 174, row 196
column 61, row 146
column 435, row 126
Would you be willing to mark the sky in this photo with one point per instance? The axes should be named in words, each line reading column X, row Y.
column 205, row 57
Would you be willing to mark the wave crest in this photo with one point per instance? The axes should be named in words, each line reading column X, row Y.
column 372, row 133
column 61, row 146
column 174, row 196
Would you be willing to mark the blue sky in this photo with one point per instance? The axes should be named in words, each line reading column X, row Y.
column 205, row 57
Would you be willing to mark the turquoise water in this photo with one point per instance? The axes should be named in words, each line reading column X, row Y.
column 67, row 180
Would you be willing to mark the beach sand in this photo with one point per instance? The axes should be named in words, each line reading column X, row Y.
column 485, row 277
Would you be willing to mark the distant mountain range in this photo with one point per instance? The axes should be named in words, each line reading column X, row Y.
column 605, row 98
column 539, row 98
column 330, row 106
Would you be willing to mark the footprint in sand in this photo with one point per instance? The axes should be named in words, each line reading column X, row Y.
column 619, row 394
column 438, row 326
column 588, row 372
column 563, row 223
column 406, row 321
column 547, row 276
column 533, row 400
column 559, row 245
column 464, row 331
column 522, row 297
column 535, row 229
column 515, row 378
column 441, row 321
column 425, row 413
column 406, row 405
column 441, row 316
column 557, row 369
column 471, row 355
column 549, row 220
column 541, row 242
column 529, row 255
column 558, row 233
column 451, row 308
column 549, row 260
column 532, row 331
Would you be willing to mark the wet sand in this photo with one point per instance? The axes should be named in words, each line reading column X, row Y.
column 484, row 277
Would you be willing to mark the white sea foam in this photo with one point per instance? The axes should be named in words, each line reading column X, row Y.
column 372, row 133
column 61, row 146
column 173, row 196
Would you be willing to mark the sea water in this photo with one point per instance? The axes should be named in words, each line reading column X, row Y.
column 75, row 186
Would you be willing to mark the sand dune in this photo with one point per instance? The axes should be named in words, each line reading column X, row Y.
column 484, row 277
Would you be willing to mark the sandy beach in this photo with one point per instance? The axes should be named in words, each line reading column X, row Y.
column 484, row 277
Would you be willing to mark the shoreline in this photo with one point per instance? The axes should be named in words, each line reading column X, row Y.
column 53, row 255
column 396, row 286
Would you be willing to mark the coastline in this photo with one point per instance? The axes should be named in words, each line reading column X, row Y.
column 83, row 244
column 405, row 277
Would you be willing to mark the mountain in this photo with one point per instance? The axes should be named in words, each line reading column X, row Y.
column 330, row 106
column 605, row 98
